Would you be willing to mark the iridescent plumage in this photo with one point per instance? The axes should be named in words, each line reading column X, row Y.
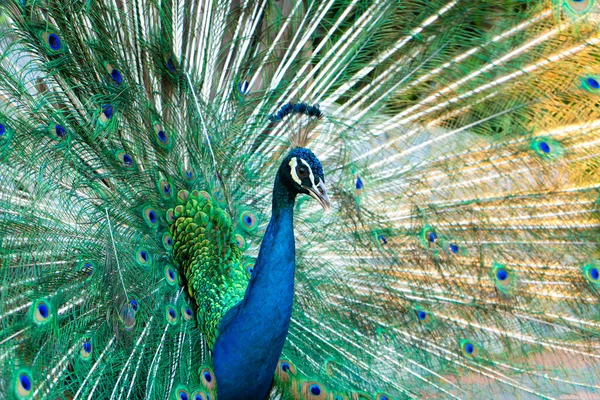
column 139, row 144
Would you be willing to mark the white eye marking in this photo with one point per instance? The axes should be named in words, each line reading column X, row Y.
column 311, row 176
column 293, row 165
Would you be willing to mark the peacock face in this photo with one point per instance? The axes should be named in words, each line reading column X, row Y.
column 305, row 174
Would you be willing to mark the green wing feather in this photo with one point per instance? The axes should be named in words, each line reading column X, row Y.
column 210, row 257
column 460, row 144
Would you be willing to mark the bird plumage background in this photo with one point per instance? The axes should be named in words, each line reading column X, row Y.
column 460, row 145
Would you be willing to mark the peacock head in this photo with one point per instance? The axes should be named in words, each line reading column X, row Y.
column 301, row 172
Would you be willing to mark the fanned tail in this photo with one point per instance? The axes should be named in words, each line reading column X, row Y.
column 471, row 208
column 461, row 148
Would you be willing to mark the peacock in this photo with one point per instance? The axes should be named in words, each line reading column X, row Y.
column 286, row 199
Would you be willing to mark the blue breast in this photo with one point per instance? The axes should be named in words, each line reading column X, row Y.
column 252, row 334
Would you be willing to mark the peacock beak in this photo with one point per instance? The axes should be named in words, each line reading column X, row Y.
column 320, row 194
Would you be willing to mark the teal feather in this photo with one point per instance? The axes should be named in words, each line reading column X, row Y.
column 139, row 143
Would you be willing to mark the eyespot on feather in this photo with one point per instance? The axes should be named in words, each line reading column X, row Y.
column 248, row 221
column 313, row 390
column 187, row 312
column 171, row 275
column 240, row 242
column 167, row 241
column 591, row 273
column 23, row 384
column 162, row 137
column 165, row 188
column 454, row 248
column 285, row 371
column 547, row 148
column 125, row 159
column 182, row 394
column 52, row 42
column 423, row 316
column 591, row 83
column 330, row 367
column 188, row 174
column 207, row 377
column 86, row 350
column 171, row 315
column 143, row 257
column 359, row 185
column 249, row 268
column 429, row 236
column 41, row 311
column 503, row 277
column 170, row 215
column 178, row 211
column 469, row 349
column 57, row 131
column 150, row 216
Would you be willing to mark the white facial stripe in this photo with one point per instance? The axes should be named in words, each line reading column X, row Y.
column 311, row 176
column 293, row 165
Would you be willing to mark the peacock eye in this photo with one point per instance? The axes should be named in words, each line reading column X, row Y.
column 302, row 172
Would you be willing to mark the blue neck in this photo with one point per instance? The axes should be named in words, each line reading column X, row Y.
column 252, row 335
